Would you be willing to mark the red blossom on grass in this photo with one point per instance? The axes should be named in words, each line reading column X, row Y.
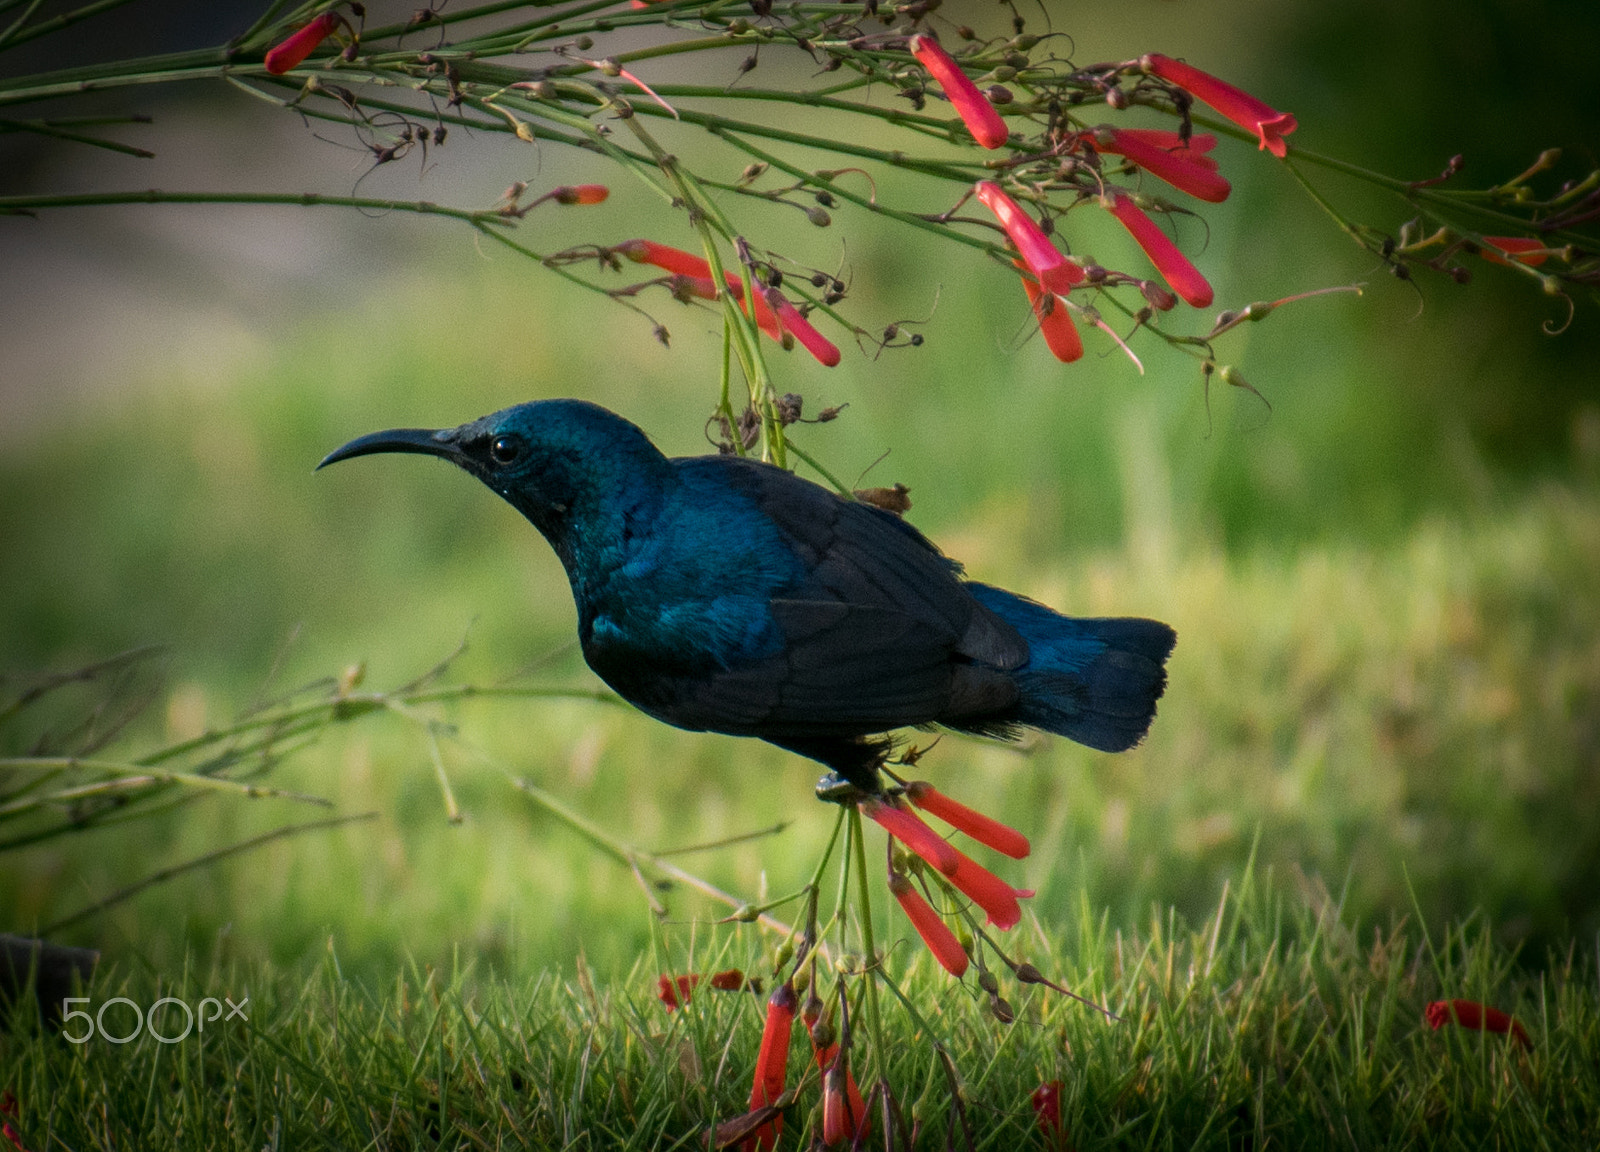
column 930, row 926
column 1479, row 1017
column 985, row 124
column 1055, row 272
column 11, row 1134
column 290, row 53
column 1163, row 154
column 984, row 829
column 772, row 1064
column 1269, row 125
column 1047, row 1107
column 730, row 980
column 1183, row 277
column 907, row 828
column 580, row 194
column 1522, row 249
column 813, row 341
column 841, row 1099
column 674, row 992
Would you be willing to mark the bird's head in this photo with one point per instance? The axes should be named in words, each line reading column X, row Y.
column 558, row 462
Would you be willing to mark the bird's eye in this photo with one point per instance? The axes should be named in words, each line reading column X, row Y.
column 505, row 449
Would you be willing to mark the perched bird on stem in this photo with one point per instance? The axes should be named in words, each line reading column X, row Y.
column 721, row 594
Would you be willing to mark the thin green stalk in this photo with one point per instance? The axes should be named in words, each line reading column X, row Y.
column 725, row 402
column 12, row 30
column 17, row 34
column 838, row 484
column 10, row 205
column 942, row 230
column 631, row 855
column 131, row 776
column 872, row 961
column 45, row 128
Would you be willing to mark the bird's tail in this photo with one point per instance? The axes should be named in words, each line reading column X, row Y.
column 1095, row 681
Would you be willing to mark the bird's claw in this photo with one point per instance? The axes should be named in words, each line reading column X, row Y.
column 835, row 789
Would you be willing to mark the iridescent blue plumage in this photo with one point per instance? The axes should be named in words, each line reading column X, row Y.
column 721, row 594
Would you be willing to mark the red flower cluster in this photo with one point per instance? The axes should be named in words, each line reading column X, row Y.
column 997, row 898
column 1478, row 1017
column 675, row 991
column 1183, row 161
column 774, row 315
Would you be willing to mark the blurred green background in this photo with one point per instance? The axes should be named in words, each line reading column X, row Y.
column 1387, row 681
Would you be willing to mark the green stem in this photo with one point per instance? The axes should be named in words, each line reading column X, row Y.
column 873, row 962
column 129, row 776
column 631, row 855
column 14, row 204
column 838, row 484
column 17, row 34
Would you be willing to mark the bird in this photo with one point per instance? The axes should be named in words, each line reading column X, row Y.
column 718, row 593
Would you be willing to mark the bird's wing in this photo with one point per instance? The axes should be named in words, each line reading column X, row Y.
column 865, row 556
column 881, row 632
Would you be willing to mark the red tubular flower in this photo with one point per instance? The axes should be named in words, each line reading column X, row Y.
column 1516, row 247
column 1187, row 169
column 1055, row 272
column 665, row 257
column 1479, row 1017
column 983, row 829
column 972, row 106
column 842, row 1105
column 930, row 926
column 905, row 826
column 290, row 53
column 815, row 342
column 1183, row 277
column 673, row 992
column 772, row 1064
column 696, row 271
column 1055, row 322
column 1047, row 1107
column 997, row 898
column 1269, row 125
column 580, row 193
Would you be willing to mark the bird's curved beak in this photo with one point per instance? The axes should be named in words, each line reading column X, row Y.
column 424, row 441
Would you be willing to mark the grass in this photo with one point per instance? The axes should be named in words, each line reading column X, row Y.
column 1272, row 1023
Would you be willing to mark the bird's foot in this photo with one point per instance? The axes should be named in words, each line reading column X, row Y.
column 836, row 789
